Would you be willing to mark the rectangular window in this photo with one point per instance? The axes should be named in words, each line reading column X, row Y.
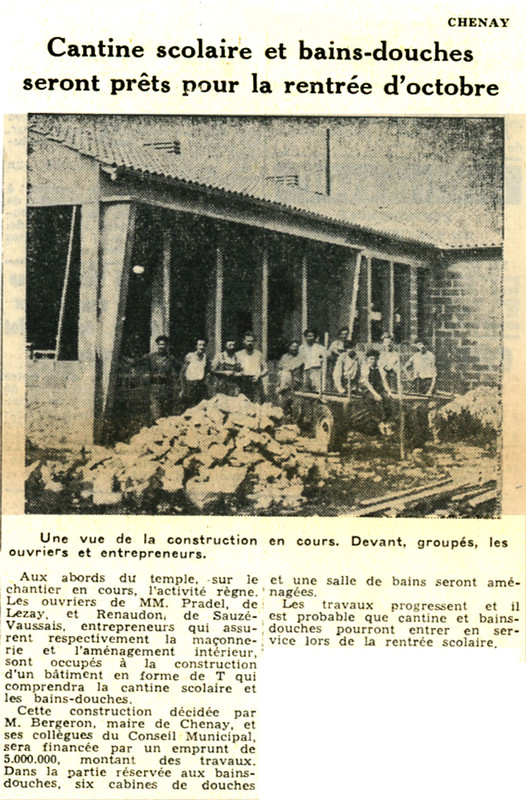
column 53, row 282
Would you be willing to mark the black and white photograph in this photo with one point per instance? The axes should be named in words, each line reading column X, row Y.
column 272, row 316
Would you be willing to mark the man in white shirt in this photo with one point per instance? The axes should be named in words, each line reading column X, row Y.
column 288, row 376
column 312, row 356
column 389, row 366
column 421, row 369
column 193, row 375
column 346, row 372
column 254, row 370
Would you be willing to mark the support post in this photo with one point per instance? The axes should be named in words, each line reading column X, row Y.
column 264, row 301
column 369, row 300
column 88, row 312
column 304, row 292
column 65, row 285
column 354, row 296
column 219, row 284
column 160, row 317
column 89, row 280
column 413, row 303
column 390, row 299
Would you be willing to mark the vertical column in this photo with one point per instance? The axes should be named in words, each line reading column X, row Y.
column 304, row 292
column 369, row 299
column 344, row 291
column 160, row 317
column 413, row 303
column 118, row 227
column 88, row 294
column 89, row 279
column 390, row 298
column 218, row 298
column 167, row 277
column 354, row 293
column 264, row 301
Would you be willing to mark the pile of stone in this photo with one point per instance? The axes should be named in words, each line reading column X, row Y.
column 476, row 414
column 224, row 450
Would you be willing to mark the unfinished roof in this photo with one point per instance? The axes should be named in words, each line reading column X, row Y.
column 160, row 156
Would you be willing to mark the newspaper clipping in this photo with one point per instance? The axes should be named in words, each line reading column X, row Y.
column 262, row 424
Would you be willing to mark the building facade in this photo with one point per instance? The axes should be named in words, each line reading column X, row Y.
column 129, row 242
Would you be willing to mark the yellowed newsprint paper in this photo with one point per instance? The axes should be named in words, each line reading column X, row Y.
column 263, row 383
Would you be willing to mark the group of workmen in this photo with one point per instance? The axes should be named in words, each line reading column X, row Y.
column 308, row 366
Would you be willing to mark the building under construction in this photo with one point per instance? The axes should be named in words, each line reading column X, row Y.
column 130, row 235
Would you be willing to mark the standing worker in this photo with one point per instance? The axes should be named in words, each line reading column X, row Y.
column 226, row 370
column 161, row 374
column 312, row 355
column 389, row 366
column 193, row 375
column 421, row 369
column 346, row 370
column 254, row 370
column 288, row 378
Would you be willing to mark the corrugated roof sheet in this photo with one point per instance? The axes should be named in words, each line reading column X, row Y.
column 92, row 138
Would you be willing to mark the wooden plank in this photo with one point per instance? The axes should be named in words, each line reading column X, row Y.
column 369, row 296
column 218, row 312
column 413, row 496
column 264, row 301
column 390, row 309
column 485, row 497
column 387, row 498
column 304, row 292
column 354, row 297
column 65, row 285
column 89, row 280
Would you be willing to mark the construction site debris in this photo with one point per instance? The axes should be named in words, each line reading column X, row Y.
column 474, row 416
column 225, row 453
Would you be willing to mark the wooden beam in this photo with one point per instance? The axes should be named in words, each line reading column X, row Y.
column 219, row 285
column 264, row 300
column 65, row 285
column 390, row 298
column 369, row 299
column 89, row 280
column 304, row 292
column 160, row 312
column 354, row 296
column 265, row 216
column 167, row 277
column 88, row 301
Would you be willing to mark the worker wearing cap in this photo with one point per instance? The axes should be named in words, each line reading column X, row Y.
column 161, row 374
column 421, row 369
column 193, row 375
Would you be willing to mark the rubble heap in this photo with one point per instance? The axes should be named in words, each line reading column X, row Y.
column 224, row 450
column 474, row 415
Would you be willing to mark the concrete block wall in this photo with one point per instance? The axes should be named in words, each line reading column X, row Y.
column 466, row 293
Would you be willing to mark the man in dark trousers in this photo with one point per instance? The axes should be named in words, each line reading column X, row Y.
column 162, row 376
